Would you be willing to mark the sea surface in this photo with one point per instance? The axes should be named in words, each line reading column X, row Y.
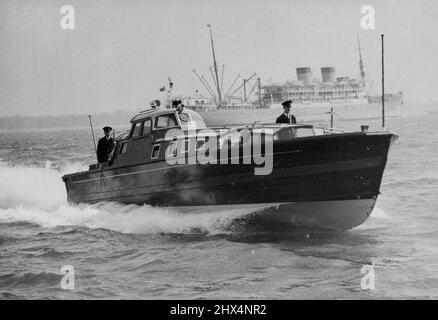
column 140, row 252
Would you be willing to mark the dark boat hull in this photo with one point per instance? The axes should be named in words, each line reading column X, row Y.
column 324, row 215
column 330, row 181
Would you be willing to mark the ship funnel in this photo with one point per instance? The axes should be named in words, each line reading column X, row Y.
column 304, row 74
column 328, row 74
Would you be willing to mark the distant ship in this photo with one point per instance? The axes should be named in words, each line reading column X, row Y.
column 312, row 99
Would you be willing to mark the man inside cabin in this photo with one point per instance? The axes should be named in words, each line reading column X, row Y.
column 286, row 116
column 105, row 146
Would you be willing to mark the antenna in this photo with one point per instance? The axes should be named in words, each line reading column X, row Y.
column 361, row 68
column 215, row 65
column 212, row 77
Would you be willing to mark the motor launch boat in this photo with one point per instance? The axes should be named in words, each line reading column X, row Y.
column 309, row 176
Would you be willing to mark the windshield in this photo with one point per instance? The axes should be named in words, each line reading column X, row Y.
column 294, row 132
column 165, row 121
column 246, row 136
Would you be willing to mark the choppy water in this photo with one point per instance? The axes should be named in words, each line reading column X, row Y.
column 122, row 251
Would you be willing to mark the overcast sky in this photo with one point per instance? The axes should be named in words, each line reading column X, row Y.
column 122, row 51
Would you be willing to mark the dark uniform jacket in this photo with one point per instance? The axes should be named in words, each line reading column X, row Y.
column 284, row 119
column 104, row 148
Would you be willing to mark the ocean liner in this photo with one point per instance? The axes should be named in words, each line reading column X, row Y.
column 313, row 99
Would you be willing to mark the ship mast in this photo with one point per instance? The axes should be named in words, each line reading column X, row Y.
column 215, row 66
column 361, row 68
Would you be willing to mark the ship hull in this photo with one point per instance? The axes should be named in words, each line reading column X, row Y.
column 322, row 176
column 303, row 113
column 327, row 215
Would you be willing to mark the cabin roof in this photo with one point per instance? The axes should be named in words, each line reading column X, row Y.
column 151, row 113
column 146, row 114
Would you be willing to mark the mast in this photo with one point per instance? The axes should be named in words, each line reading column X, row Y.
column 215, row 66
column 361, row 68
column 212, row 77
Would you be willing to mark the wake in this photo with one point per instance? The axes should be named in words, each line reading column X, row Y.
column 37, row 195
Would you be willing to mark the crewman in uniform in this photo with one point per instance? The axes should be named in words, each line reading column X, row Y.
column 105, row 146
column 286, row 116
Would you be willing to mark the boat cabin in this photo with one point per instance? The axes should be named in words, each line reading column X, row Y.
column 145, row 141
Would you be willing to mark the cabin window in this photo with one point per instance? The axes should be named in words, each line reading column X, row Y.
column 136, row 130
column 155, row 151
column 123, row 147
column 147, row 127
column 165, row 121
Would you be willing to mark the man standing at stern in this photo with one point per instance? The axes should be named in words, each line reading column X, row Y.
column 286, row 116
